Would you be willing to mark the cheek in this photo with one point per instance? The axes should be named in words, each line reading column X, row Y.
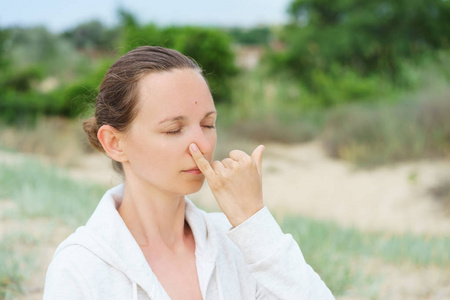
column 145, row 152
column 156, row 162
column 213, row 143
column 169, row 151
column 210, row 137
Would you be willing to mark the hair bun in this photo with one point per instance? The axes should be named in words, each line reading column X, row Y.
column 91, row 128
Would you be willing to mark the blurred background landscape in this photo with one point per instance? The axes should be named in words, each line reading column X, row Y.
column 351, row 99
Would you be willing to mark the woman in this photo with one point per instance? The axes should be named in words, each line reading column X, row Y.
column 155, row 118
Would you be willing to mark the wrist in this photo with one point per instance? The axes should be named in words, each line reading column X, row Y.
column 241, row 218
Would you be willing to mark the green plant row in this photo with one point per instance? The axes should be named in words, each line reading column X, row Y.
column 337, row 253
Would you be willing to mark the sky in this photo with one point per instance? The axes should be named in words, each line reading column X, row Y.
column 60, row 15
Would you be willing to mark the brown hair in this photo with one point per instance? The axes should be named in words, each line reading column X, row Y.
column 116, row 103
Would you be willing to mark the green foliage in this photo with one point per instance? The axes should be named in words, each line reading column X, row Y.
column 23, row 80
column 4, row 63
column 367, row 36
column 71, row 61
column 344, row 50
column 79, row 96
column 341, row 85
column 251, row 36
column 27, row 46
column 36, row 47
column 93, row 35
column 16, row 107
column 30, row 56
column 211, row 48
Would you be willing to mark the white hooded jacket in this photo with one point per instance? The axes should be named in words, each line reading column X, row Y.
column 254, row 260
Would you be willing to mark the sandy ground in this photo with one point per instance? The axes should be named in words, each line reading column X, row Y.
column 301, row 179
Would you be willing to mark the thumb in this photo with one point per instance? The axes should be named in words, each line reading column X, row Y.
column 201, row 162
column 257, row 157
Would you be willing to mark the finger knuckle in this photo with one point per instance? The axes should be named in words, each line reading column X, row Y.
column 226, row 160
column 203, row 165
column 233, row 152
column 227, row 175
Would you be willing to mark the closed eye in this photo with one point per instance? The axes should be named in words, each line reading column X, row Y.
column 174, row 132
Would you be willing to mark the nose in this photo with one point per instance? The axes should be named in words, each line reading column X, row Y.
column 205, row 139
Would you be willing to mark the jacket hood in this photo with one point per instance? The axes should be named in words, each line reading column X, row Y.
column 107, row 236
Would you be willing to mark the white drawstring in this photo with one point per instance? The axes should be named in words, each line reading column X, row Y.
column 134, row 291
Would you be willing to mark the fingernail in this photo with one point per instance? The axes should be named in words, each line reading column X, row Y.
column 193, row 147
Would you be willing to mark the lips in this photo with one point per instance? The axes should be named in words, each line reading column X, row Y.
column 194, row 171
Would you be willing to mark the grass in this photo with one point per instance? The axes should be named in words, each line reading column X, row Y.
column 37, row 190
column 337, row 253
column 15, row 263
column 378, row 134
column 45, row 191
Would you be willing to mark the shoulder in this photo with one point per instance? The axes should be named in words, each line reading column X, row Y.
column 73, row 258
column 77, row 272
column 66, row 274
column 78, row 255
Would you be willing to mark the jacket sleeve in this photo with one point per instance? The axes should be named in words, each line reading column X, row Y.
column 276, row 261
column 65, row 281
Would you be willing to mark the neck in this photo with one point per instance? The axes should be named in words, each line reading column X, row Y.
column 154, row 218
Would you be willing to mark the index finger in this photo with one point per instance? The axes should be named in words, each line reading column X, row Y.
column 201, row 161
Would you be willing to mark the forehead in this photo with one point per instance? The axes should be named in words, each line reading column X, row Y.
column 175, row 92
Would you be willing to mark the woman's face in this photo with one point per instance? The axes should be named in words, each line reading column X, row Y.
column 175, row 109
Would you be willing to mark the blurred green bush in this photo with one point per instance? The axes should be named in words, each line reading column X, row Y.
column 77, row 60
column 348, row 50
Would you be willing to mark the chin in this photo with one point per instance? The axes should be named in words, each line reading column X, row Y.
column 193, row 187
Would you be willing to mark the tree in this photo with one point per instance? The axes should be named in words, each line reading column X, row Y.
column 251, row 36
column 93, row 35
column 366, row 36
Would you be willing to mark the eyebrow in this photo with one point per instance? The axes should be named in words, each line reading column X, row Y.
column 180, row 118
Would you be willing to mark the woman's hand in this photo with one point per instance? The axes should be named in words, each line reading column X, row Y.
column 236, row 182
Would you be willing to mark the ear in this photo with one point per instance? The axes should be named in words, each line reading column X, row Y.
column 110, row 139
